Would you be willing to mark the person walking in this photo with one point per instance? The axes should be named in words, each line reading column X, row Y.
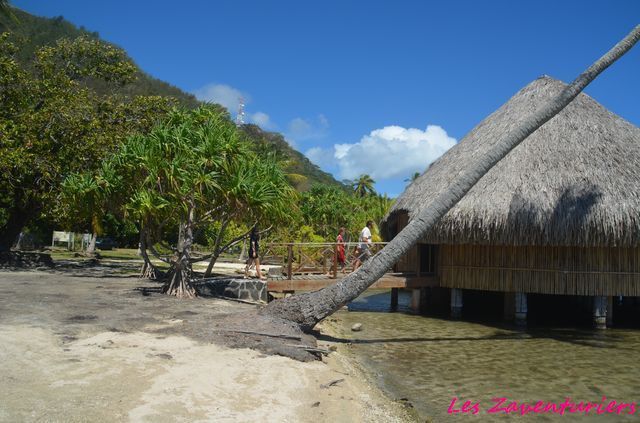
column 254, row 252
column 364, row 245
column 340, row 256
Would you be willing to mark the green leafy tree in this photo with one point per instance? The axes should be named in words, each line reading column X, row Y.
column 51, row 125
column 253, row 190
column 188, row 172
column 327, row 208
column 85, row 199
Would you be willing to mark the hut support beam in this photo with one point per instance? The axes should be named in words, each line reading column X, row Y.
column 394, row 299
column 609, row 311
column 509, row 308
column 456, row 303
column 520, row 299
column 600, row 312
column 415, row 300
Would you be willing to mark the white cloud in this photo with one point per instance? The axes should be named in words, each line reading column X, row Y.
column 262, row 120
column 300, row 129
column 392, row 152
column 225, row 95
column 318, row 155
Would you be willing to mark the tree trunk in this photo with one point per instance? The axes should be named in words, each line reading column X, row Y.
column 243, row 252
column 212, row 262
column 216, row 248
column 179, row 283
column 179, row 278
column 148, row 271
column 9, row 232
column 308, row 309
column 91, row 248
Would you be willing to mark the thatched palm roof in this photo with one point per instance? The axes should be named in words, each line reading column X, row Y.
column 575, row 181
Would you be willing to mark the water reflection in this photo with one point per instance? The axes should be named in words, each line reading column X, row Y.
column 430, row 360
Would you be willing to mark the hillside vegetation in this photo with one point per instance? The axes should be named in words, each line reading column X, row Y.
column 32, row 32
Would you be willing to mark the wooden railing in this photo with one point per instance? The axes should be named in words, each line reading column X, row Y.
column 313, row 257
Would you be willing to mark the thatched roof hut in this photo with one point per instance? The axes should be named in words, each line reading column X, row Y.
column 574, row 182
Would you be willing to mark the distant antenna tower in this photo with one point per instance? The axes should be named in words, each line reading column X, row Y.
column 240, row 115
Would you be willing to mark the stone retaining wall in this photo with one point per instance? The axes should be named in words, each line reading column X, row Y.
column 236, row 288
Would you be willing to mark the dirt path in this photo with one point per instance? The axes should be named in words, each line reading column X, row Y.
column 79, row 346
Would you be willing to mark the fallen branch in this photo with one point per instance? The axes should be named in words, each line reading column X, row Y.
column 310, row 349
column 332, row 383
column 271, row 335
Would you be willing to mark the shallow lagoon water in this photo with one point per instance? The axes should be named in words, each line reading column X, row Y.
column 431, row 360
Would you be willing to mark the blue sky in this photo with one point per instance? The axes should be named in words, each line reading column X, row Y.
column 368, row 86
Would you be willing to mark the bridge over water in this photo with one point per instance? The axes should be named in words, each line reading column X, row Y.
column 309, row 266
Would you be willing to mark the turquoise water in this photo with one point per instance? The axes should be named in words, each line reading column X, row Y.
column 431, row 360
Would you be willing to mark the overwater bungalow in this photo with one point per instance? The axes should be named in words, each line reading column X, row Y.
column 559, row 215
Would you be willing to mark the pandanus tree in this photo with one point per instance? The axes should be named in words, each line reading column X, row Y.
column 306, row 310
column 85, row 199
column 253, row 190
column 172, row 174
column 188, row 171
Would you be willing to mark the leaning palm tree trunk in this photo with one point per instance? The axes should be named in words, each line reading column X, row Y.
column 308, row 309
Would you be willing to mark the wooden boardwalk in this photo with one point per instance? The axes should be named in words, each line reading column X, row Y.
column 313, row 282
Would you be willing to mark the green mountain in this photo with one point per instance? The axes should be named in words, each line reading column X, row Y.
column 34, row 32
column 302, row 173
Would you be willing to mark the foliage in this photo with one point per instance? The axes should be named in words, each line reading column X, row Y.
column 51, row 125
column 193, row 171
column 326, row 209
column 301, row 172
column 35, row 32
column 363, row 186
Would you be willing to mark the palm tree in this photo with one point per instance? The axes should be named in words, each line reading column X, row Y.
column 307, row 309
column 413, row 177
column 363, row 185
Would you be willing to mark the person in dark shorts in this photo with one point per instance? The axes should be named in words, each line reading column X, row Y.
column 254, row 252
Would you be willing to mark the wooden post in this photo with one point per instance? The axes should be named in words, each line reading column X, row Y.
column 417, row 248
column 289, row 261
column 394, row 299
column 609, row 311
column 424, row 299
column 456, row 303
column 509, row 308
column 521, row 308
column 335, row 261
column 600, row 312
column 415, row 301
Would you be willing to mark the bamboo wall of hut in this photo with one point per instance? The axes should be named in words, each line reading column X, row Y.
column 542, row 270
column 555, row 270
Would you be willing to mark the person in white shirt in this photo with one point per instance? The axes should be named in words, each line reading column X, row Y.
column 364, row 245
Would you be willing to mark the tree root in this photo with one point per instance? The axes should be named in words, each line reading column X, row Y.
column 179, row 285
column 149, row 271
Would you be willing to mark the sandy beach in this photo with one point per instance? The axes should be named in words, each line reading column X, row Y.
column 84, row 347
